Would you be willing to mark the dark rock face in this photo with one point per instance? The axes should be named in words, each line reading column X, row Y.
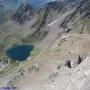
column 74, row 60
column 56, row 5
column 51, row 6
column 82, row 9
column 72, row 1
column 24, row 13
column 1, row 12
column 68, row 64
column 86, row 8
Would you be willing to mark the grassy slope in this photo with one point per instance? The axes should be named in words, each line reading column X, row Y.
column 82, row 27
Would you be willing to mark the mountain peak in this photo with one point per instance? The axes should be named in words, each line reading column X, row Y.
column 24, row 13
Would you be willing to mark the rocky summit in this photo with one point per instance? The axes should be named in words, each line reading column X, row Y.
column 59, row 33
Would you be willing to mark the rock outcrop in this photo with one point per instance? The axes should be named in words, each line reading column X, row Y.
column 23, row 14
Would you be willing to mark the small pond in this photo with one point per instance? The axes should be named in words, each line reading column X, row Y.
column 19, row 52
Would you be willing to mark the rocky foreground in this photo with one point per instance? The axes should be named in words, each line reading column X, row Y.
column 64, row 65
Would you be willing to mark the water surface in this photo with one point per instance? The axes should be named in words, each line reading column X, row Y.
column 19, row 52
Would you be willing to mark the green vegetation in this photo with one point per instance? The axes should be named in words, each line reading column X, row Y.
column 13, row 64
column 31, row 39
column 8, row 68
column 35, row 51
column 82, row 27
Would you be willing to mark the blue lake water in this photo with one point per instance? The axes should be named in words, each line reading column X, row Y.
column 19, row 52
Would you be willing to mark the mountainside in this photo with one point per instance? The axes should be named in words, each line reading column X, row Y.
column 40, row 22
column 25, row 12
column 10, row 4
column 60, row 34
column 81, row 16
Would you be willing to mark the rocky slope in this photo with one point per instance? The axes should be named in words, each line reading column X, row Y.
column 60, row 33
column 24, row 13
